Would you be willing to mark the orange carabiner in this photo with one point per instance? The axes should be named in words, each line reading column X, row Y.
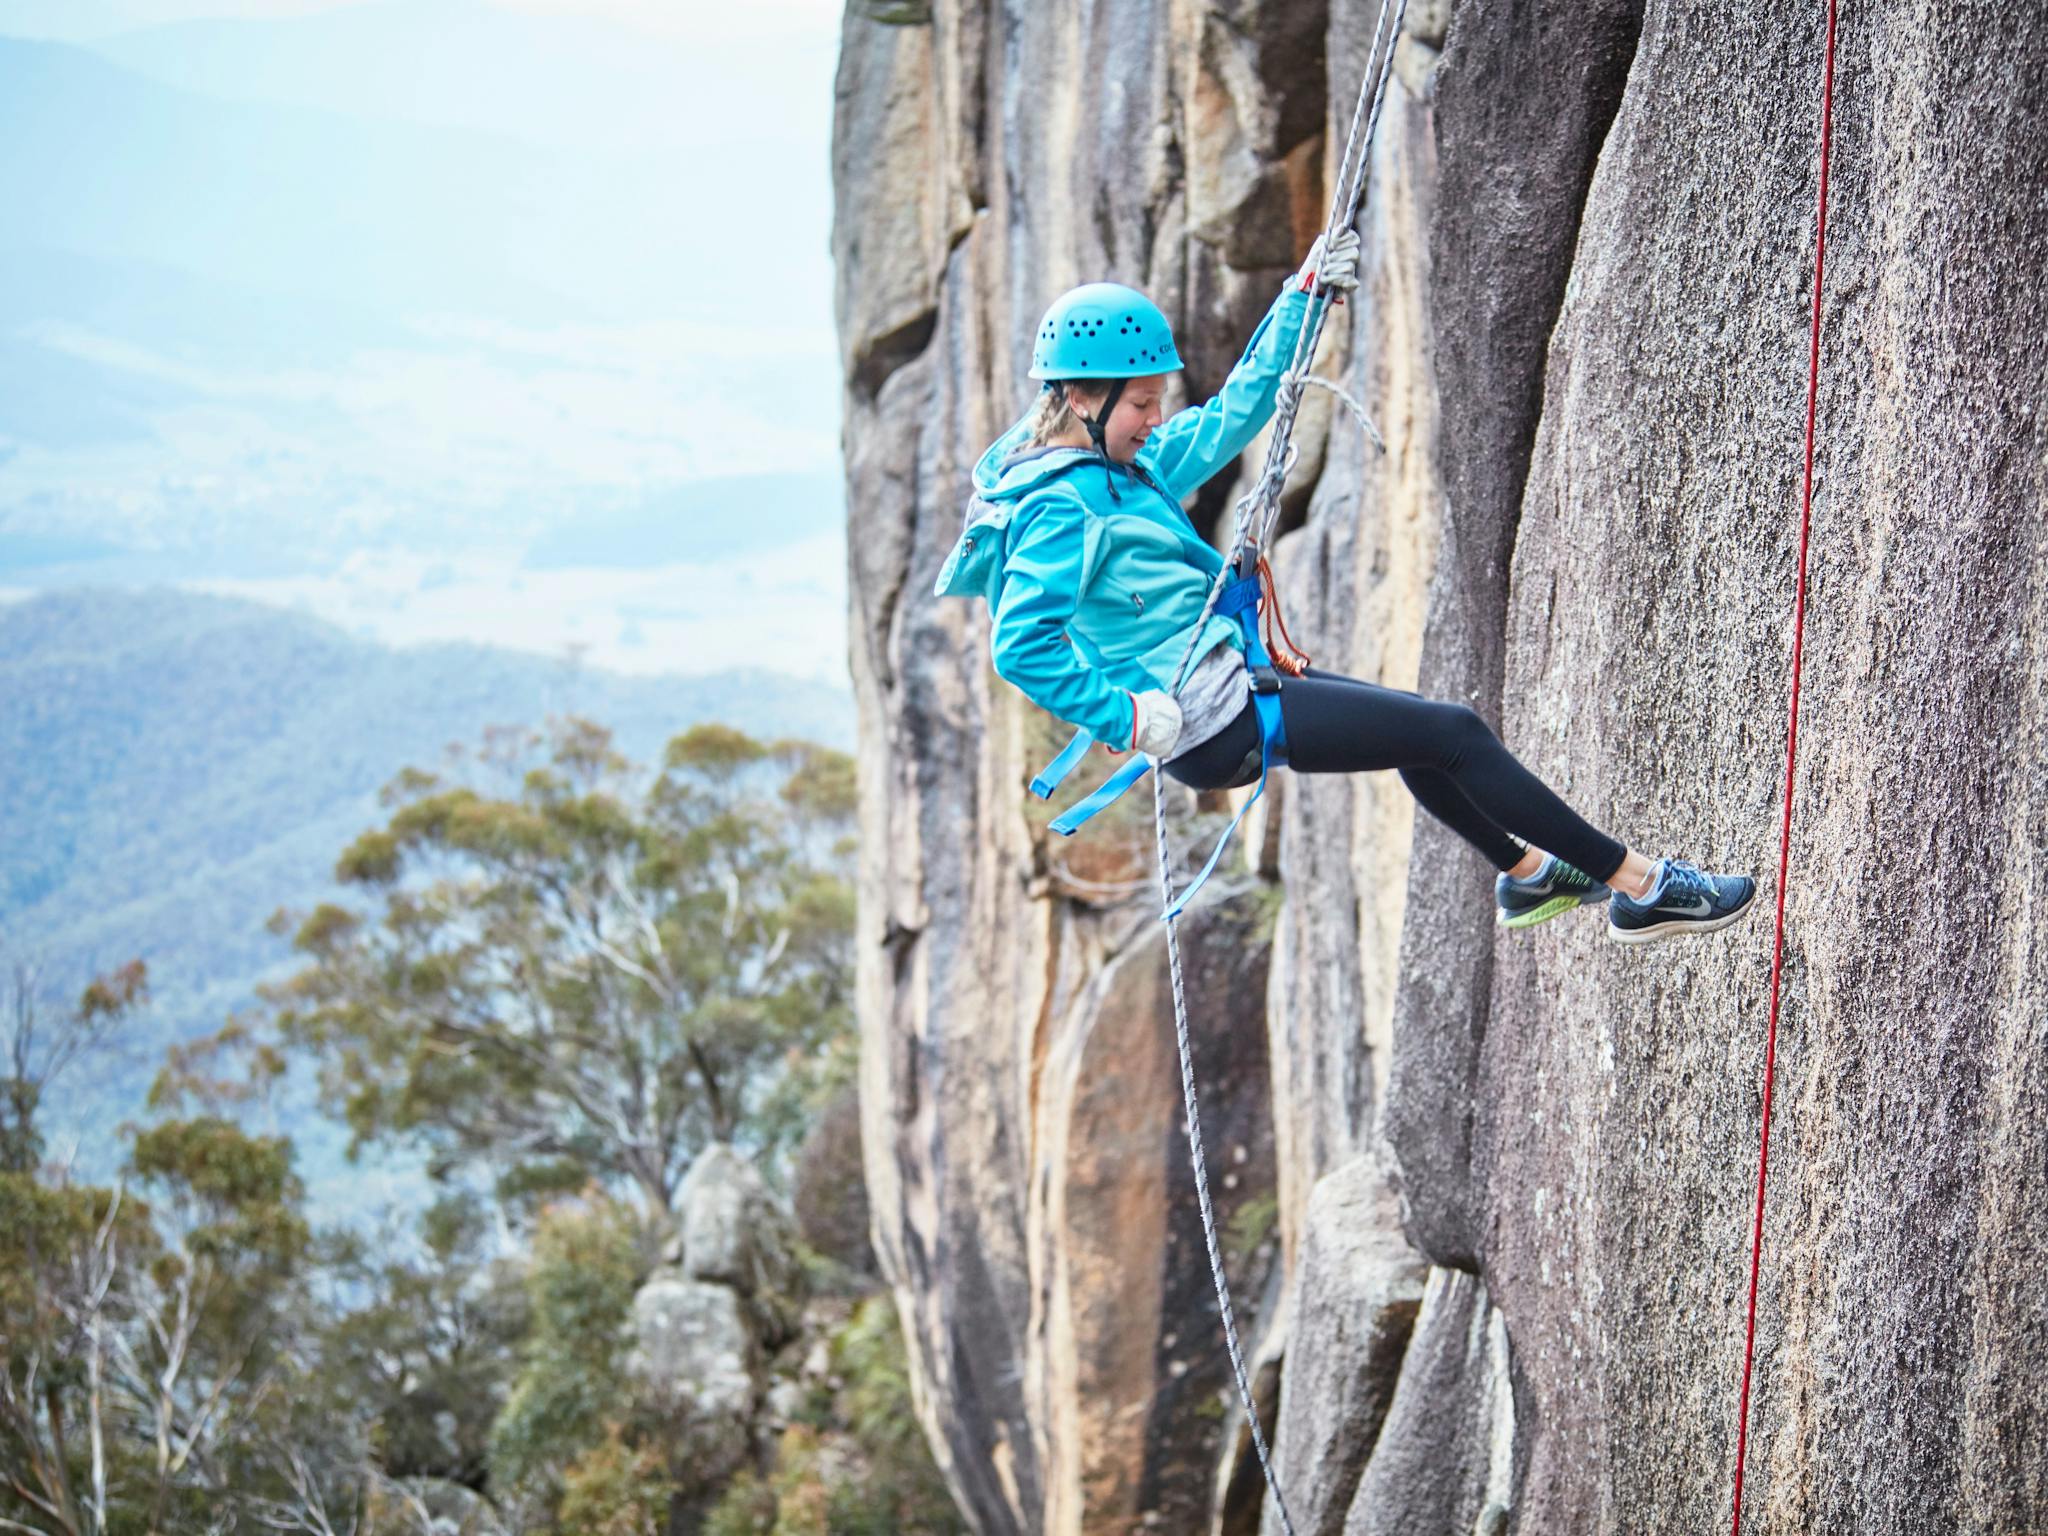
column 1288, row 657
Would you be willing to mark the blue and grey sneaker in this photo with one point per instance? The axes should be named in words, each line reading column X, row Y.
column 1555, row 888
column 1683, row 899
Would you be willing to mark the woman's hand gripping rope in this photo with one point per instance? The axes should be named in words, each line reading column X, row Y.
column 1333, row 270
column 1336, row 273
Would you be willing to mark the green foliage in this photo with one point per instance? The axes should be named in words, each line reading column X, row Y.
column 594, row 972
column 864, row 1469
column 526, row 1187
column 422, row 1350
column 747, row 1508
column 21, row 1144
column 45, row 1234
column 717, row 751
column 39, row 1464
column 230, row 1201
column 192, row 1073
column 587, row 1263
column 614, row 1489
column 822, row 785
column 896, row 13
column 163, row 1332
column 1267, row 898
column 1250, row 1225
column 39, row 1049
column 869, row 1355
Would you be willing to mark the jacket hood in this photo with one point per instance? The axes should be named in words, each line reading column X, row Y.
column 1012, row 468
column 1008, row 472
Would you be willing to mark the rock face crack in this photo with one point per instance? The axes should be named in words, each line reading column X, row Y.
column 883, row 354
column 1525, row 95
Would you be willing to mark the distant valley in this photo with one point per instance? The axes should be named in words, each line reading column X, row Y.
column 174, row 767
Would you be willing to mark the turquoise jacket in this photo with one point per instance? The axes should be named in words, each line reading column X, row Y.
column 1093, row 595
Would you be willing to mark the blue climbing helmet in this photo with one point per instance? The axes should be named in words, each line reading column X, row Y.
column 1103, row 331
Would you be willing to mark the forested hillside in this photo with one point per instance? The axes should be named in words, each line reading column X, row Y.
column 611, row 1004
column 174, row 767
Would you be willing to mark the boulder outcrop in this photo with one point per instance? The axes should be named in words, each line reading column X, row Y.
column 704, row 1326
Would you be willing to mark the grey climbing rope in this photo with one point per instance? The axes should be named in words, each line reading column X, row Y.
column 1261, row 505
column 1350, row 403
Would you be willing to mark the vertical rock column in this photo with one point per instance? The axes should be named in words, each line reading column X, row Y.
column 1021, row 1129
column 952, row 962
column 1900, row 1346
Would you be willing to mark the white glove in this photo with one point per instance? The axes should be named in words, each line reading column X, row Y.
column 1158, row 722
column 1334, row 270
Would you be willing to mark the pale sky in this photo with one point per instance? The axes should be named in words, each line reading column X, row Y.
column 703, row 20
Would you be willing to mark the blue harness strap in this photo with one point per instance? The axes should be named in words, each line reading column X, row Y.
column 1068, row 822
column 1239, row 600
column 1050, row 775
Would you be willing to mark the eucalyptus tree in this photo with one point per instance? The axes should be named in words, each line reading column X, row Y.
column 583, row 971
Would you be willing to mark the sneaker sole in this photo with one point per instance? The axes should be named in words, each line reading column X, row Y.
column 1555, row 907
column 1678, row 925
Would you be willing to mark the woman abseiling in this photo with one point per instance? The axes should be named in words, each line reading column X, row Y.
column 1094, row 574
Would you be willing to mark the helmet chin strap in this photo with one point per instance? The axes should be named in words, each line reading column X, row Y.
column 1094, row 424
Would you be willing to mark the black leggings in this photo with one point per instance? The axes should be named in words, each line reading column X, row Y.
column 1446, row 754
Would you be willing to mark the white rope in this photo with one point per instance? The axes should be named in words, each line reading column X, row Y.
column 1100, row 890
column 1351, row 404
column 1262, row 503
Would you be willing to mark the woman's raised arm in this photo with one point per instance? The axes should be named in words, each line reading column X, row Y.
column 1192, row 445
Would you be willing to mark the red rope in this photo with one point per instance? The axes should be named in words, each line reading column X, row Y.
column 1763, row 1159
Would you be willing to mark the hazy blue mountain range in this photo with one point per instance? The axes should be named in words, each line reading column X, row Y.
column 696, row 522
column 174, row 767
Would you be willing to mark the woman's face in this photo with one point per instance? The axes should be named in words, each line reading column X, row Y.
column 1137, row 413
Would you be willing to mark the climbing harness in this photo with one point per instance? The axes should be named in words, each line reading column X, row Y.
column 1242, row 598
column 1240, row 601
column 1763, row 1156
